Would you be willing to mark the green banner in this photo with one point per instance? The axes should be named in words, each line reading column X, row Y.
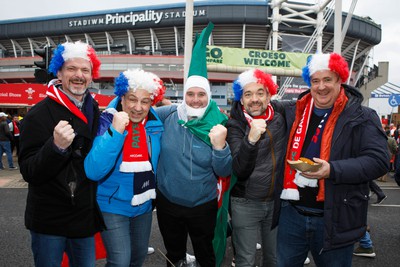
column 255, row 58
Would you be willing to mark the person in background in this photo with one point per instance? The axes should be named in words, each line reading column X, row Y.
column 6, row 138
column 193, row 153
column 57, row 133
column 124, row 160
column 14, row 126
column 332, row 129
column 392, row 145
column 256, row 136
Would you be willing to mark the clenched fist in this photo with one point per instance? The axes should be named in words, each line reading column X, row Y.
column 218, row 136
column 120, row 121
column 257, row 128
column 63, row 134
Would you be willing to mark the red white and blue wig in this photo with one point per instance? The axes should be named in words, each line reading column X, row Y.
column 69, row 50
column 253, row 76
column 318, row 62
column 139, row 79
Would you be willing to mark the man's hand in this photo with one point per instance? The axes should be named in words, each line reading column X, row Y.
column 63, row 134
column 120, row 121
column 218, row 136
column 322, row 172
column 257, row 128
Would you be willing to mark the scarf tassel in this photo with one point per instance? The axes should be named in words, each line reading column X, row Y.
column 143, row 197
column 302, row 181
column 290, row 194
column 135, row 166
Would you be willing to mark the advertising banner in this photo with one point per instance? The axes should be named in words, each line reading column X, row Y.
column 29, row 94
column 255, row 58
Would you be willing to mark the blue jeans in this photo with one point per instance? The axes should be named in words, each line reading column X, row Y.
column 250, row 219
column 5, row 147
column 126, row 239
column 365, row 241
column 298, row 234
column 48, row 250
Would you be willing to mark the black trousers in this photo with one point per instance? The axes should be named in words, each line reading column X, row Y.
column 176, row 222
column 376, row 189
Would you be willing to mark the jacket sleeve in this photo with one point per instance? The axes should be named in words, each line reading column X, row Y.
column 39, row 159
column 369, row 158
column 243, row 153
column 165, row 111
column 104, row 154
column 222, row 161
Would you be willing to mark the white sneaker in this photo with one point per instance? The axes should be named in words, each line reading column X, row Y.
column 307, row 261
column 190, row 258
column 150, row 250
column 258, row 246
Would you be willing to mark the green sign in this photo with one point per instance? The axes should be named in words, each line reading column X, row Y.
column 255, row 58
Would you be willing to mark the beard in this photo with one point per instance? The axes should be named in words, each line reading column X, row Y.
column 260, row 111
column 80, row 91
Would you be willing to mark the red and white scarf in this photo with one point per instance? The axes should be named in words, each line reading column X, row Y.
column 268, row 116
column 290, row 191
column 62, row 99
column 296, row 141
column 15, row 128
column 135, row 155
column 136, row 160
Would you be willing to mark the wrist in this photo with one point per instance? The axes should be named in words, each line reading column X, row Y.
column 251, row 142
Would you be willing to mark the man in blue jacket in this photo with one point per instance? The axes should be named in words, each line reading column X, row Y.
column 325, row 211
column 123, row 159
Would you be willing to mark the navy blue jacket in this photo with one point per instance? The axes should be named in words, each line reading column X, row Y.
column 359, row 154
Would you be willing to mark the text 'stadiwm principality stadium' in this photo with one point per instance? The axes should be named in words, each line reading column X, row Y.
column 252, row 33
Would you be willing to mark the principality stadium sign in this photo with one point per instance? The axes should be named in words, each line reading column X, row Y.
column 133, row 18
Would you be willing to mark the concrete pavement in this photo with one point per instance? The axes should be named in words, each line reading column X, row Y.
column 11, row 178
column 15, row 239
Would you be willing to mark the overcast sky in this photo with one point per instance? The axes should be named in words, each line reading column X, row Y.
column 383, row 12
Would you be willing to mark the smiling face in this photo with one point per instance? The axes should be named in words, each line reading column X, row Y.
column 255, row 99
column 325, row 88
column 137, row 104
column 75, row 76
column 196, row 97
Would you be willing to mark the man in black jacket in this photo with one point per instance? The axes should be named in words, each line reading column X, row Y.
column 256, row 135
column 56, row 135
column 325, row 210
column 5, row 144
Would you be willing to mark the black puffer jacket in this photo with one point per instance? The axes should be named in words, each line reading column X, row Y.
column 256, row 166
column 51, row 208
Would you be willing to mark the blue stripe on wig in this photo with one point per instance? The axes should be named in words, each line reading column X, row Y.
column 237, row 90
column 57, row 60
column 121, row 85
column 306, row 72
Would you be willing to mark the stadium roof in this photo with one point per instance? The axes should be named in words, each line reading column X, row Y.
column 386, row 90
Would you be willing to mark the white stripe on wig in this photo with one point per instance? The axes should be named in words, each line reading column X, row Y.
column 247, row 77
column 75, row 50
column 319, row 62
column 140, row 79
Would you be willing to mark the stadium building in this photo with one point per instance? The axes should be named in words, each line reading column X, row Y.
column 275, row 36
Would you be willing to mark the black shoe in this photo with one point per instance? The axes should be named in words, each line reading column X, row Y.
column 364, row 252
column 380, row 200
column 13, row 168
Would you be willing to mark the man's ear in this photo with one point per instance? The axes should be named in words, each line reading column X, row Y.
column 241, row 101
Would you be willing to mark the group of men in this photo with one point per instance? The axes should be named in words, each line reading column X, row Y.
column 90, row 173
